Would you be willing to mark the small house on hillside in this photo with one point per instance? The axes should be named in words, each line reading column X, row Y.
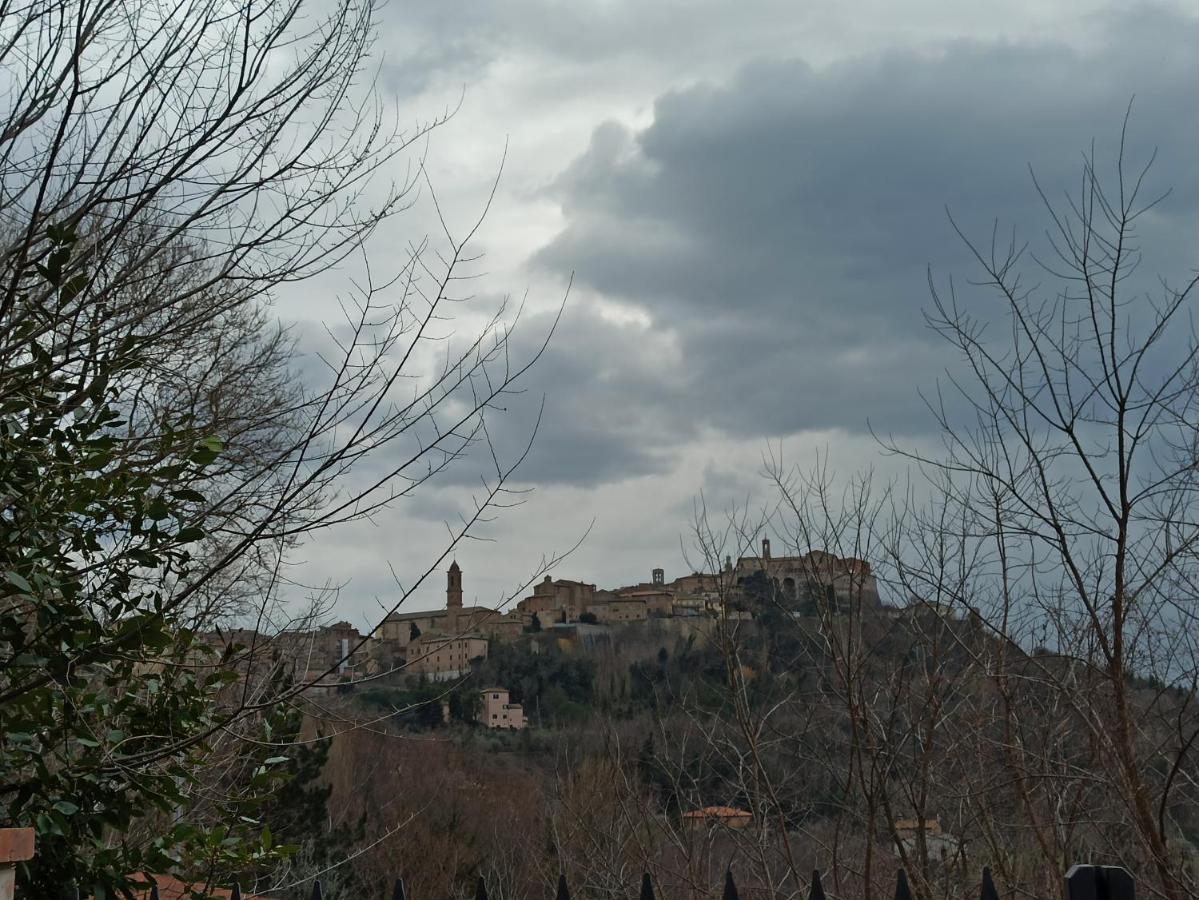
column 728, row 816
column 498, row 712
column 938, row 843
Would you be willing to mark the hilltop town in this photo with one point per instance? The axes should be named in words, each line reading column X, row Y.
column 444, row 644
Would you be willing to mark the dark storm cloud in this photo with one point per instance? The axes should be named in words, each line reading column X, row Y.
column 607, row 397
column 779, row 227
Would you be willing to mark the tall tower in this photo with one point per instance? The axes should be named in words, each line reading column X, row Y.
column 453, row 595
column 659, row 576
column 765, row 548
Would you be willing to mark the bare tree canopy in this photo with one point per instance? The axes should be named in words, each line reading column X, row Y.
column 1026, row 697
column 165, row 169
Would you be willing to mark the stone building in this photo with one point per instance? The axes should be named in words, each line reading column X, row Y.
column 696, row 584
column 618, row 609
column 400, row 628
column 498, row 712
column 441, row 657
column 557, row 600
column 658, row 600
column 329, row 655
column 817, row 577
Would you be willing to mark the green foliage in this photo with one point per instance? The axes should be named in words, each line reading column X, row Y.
column 297, row 808
column 465, row 703
column 417, row 707
column 107, row 698
column 555, row 685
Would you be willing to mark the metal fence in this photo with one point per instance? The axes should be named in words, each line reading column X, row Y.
column 1081, row 883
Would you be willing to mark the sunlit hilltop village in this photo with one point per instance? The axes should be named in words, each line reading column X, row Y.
column 440, row 645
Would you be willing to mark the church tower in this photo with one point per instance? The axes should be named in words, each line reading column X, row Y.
column 453, row 595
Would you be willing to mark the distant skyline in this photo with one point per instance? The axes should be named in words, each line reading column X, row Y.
column 749, row 197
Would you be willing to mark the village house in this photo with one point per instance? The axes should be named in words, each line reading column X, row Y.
column 328, row 656
column 498, row 712
column 657, row 597
column 557, row 600
column 633, row 603
column 938, row 843
column 619, row 609
column 709, row 816
column 441, row 657
column 818, row 575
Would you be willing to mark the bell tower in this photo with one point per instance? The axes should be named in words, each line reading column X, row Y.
column 453, row 594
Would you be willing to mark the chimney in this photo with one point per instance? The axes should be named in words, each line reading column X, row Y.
column 765, row 548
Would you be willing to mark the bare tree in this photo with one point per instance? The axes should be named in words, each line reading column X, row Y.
column 165, row 170
column 1030, row 685
column 1075, row 471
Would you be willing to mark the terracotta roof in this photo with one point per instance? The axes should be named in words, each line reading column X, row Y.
column 932, row 826
column 717, row 812
column 171, row 888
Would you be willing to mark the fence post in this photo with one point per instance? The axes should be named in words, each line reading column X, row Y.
column 480, row 889
column 816, row 889
column 398, row 891
column 988, row 891
column 1100, row 883
column 563, row 893
column 16, row 845
column 235, row 894
column 730, row 889
column 316, row 891
column 902, row 891
column 647, row 887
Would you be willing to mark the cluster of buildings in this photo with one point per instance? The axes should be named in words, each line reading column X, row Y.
column 443, row 644
column 819, row 576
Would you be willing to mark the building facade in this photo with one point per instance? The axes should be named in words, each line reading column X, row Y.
column 817, row 576
column 557, row 600
column 444, row 657
column 400, row 628
column 499, row 712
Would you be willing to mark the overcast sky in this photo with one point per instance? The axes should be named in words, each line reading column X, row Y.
column 749, row 196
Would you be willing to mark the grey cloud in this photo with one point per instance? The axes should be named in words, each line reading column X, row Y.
column 610, row 393
column 781, row 225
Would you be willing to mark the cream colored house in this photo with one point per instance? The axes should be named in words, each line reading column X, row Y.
column 498, row 712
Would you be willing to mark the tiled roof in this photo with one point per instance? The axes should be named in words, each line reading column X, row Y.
column 171, row 888
column 717, row 812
